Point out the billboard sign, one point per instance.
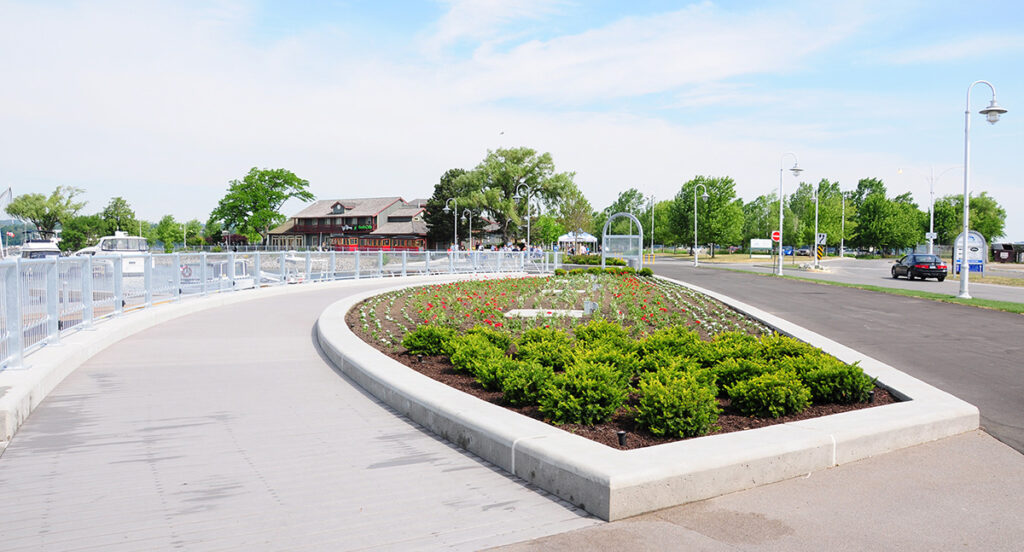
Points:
(977, 251)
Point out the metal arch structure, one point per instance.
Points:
(628, 252)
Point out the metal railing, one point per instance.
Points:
(43, 299)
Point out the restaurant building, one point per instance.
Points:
(369, 224)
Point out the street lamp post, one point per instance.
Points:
(931, 195)
(652, 228)
(469, 213)
(705, 198)
(796, 173)
(517, 196)
(991, 113)
(455, 220)
(842, 228)
(817, 264)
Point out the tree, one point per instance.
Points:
(760, 218)
(503, 174)
(441, 225)
(193, 233)
(82, 231)
(251, 206)
(47, 212)
(986, 217)
(546, 229)
(889, 224)
(213, 232)
(574, 211)
(118, 215)
(719, 218)
(168, 231)
(663, 232)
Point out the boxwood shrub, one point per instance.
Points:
(675, 404)
(500, 340)
(524, 382)
(586, 393)
(428, 339)
(774, 395)
(839, 385)
(473, 354)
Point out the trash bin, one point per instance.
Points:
(1002, 253)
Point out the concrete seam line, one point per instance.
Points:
(512, 464)
(834, 446)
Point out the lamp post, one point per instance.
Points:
(469, 213)
(816, 260)
(652, 228)
(991, 113)
(796, 173)
(517, 196)
(455, 220)
(931, 209)
(705, 198)
(842, 228)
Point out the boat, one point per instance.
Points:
(39, 249)
(131, 249)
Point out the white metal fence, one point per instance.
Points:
(42, 299)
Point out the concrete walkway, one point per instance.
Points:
(226, 430)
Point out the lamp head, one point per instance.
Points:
(517, 197)
(992, 112)
(463, 218)
(705, 196)
(796, 170)
(446, 210)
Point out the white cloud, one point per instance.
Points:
(960, 48)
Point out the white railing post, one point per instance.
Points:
(283, 268)
(426, 261)
(332, 265)
(88, 313)
(259, 272)
(12, 299)
(309, 267)
(118, 287)
(404, 260)
(202, 272)
(357, 264)
(177, 275)
(231, 269)
(52, 303)
(147, 278)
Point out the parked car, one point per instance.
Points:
(804, 251)
(920, 265)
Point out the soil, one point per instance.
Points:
(729, 420)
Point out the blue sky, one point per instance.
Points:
(163, 103)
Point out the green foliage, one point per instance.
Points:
(440, 225)
(731, 371)
(492, 374)
(675, 404)
(575, 271)
(428, 339)
(554, 354)
(599, 331)
(593, 260)
(475, 355)
(622, 359)
(536, 335)
(654, 361)
(806, 363)
(585, 394)
(719, 218)
(611, 270)
(47, 212)
(118, 215)
(775, 394)
(251, 205)
(501, 340)
(646, 272)
(523, 383)
(839, 384)
(594, 270)
(777, 346)
(676, 341)
(560, 272)
(81, 231)
(168, 231)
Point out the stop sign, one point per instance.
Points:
(776, 235)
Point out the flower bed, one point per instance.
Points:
(656, 360)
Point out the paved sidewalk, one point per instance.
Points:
(225, 430)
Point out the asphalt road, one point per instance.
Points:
(975, 354)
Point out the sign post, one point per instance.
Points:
(976, 252)
(819, 250)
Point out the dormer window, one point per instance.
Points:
(337, 209)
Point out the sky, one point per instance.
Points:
(164, 103)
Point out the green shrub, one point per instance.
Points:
(731, 371)
(623, 360)
(575, 271)
(473, 354)
(777, 346)
(585, 394)
(627, 270)
(775, 394)
(536, 335)
(599, 331)
(554, 354)
(806, 363)
(500, 340)
(560, 272)
(614, 271)
(656, 360)
(677, 341)
(645, 272)
(428, 340)
(492, 374)
(594, 270)
(839, 385)
(523, 383)
(676, 405)
(738, 345)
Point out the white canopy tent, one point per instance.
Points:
(577, 237)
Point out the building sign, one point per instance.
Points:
(976, 252)
(364, 227)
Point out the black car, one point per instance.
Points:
(920, 265)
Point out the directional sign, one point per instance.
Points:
(931, 235)
(776, 235)
(821, 238)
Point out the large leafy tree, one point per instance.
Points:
(169, 232)
(47, 212)
(118, 215)
(441, 225)
(889, 223)
(252, 205)
(629, 201)
(574, 210)
(82, 231)
(546, 229)
(760, 218)
(986, 217)
(507, 173)
(829, 211)
(719, 218)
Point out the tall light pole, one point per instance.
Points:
(816, 260)
(455, 219)
(842, 228)
(469, 213)
(517, 196)
(796, 173)
(991, 113)
(931, 208)
(705, 198)
(652, 228)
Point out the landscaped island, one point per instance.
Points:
(654, 359)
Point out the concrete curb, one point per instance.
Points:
(615, 484)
